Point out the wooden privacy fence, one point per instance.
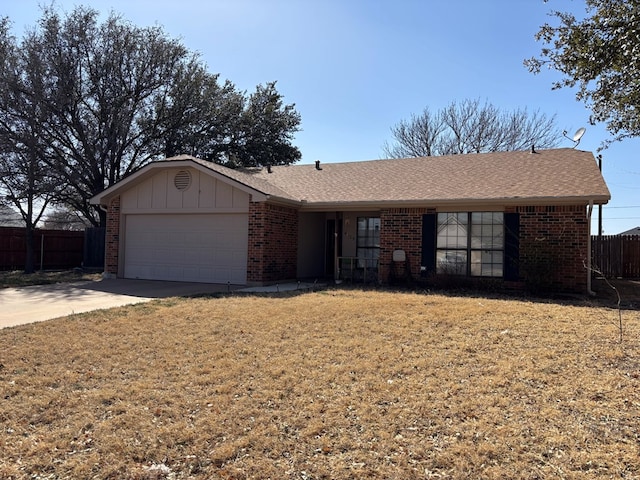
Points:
(616, 256)
(52, 249)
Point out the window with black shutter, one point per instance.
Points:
(477, 244)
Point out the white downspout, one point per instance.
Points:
(590, 211)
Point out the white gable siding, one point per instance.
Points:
(158, 194)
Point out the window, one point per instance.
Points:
(368, 242)
(470, 243)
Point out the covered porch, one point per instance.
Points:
(339, 246)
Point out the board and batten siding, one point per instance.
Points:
(205, 194)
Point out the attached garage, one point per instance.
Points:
(209, 248)
(181, 221)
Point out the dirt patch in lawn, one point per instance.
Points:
(336, 384)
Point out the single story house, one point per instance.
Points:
(517, 218)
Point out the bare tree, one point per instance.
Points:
(26, 182)
(61, 218)
(8, 216)
(111, 97)
(471, 127)
(421, 136)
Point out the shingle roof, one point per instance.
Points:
(547, 176)
(633, 231)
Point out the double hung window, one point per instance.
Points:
(470, 243)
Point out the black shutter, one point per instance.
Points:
(511, 246)
(428, 244)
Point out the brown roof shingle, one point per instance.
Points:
(547, 176)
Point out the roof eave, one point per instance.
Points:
(287, 202)
(461, 203)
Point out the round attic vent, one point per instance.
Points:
(182, 180)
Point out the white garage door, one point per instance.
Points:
(187, 248)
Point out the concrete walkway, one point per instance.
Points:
(24, 305)
(284, 287)
(43, 302)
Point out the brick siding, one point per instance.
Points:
(112, 239)
(553, 244)
(400, 229)
(554, 247)
(273, 243)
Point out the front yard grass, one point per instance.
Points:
(337, 384)
(17, 278)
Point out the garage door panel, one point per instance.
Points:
(162, 255)
(139, 271)
(193, 256)
(142, 254)
(196, 248)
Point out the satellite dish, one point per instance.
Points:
(576, 136)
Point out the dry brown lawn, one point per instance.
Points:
(336, 384)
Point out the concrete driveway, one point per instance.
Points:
(37, 303)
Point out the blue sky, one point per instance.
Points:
(354, 68)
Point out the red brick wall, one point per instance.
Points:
(553, 244)
(273, 243)
(554, 247)
(112, 239)
(400, 229)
